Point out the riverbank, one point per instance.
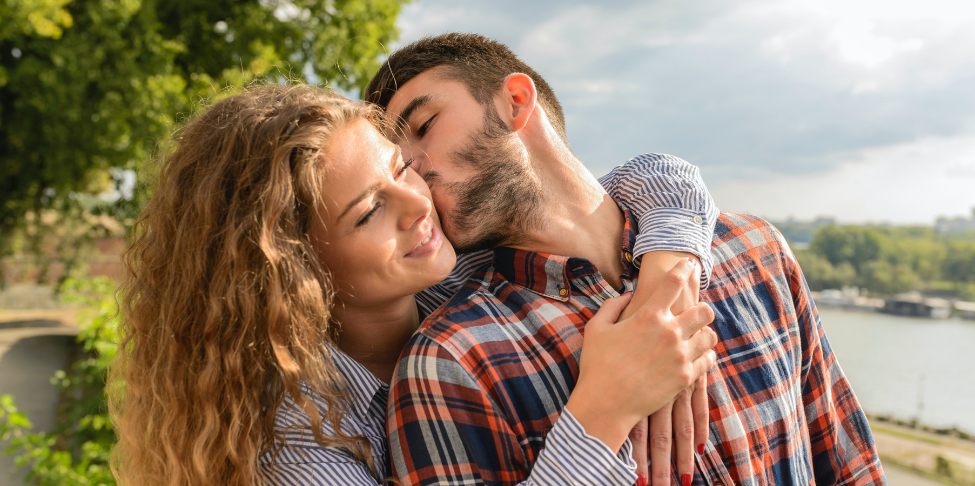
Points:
(947, 458)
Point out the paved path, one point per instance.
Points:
(924, 451)
(33, 345)
(902, 477)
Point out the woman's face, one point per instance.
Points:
(378, 233)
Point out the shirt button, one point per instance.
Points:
(698, 220)
(629, 256)
(563, 291)
(700, 248)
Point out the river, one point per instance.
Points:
(910, 368)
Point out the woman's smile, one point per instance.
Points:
(429, 245)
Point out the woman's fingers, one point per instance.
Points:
(661, 438)
(684, 437)
(699, 406)
(610, 311)
(638, 438)
(704, 363)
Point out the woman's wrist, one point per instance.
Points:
(603, 422)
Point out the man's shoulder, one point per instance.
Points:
(476, 305)
(736, 233)
(746, 247)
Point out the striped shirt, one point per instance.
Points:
(482, 384)
(675, 212)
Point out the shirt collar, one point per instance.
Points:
(366, 392)
(549, 275)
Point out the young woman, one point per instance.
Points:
(271, 287)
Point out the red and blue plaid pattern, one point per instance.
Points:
(486, 376)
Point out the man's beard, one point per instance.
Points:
(501, 204)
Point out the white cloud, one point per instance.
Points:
(858, 44)
(903, 183)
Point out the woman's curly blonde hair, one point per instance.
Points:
(225, 307)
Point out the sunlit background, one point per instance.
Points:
(861, 110)
(849, 124)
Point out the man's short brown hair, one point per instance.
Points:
(477, 61)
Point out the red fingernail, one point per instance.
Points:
(685, 479)
(641, 480)
(700, 449)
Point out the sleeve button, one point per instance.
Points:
(698, 220)
(629, 256)
(563, 291)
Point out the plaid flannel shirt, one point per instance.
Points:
(675, 212)
(486, 377)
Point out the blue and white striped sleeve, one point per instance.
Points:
(571, 456)
(668, 198)
(310, 473)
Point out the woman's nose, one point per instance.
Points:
(416, 207)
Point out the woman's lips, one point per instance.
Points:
(429, 245)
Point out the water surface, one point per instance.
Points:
(907, 367)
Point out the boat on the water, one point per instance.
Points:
(965, 310)
(915, 304)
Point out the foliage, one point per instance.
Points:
(888, 260)
(77, 452)
(88, 88)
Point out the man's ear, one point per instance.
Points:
(518, 96)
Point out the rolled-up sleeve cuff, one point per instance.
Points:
(571, 456)
(677, 229)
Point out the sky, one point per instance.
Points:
(860, 110)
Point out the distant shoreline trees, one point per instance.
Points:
(890, 260)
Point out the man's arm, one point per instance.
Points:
(842, 446)
(676, 217)
(672, 204)
(667, 197)
(443, 429)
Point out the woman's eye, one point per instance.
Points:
(366, 217)
(406, 165)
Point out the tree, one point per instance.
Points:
(89, 87)
(849, 244)
(821, 274)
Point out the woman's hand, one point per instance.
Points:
(631, 368)
(681, 427)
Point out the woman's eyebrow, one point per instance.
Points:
(373, 188)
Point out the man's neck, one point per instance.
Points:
(579, 219)
(375, 335)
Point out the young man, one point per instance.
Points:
(497, 363)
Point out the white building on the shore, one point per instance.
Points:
(955, 225)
